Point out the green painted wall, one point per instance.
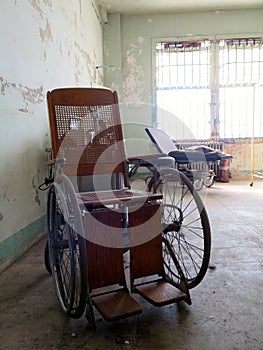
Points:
(11, 248)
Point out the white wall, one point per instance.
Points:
(44, 44)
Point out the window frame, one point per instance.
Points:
(214, 76)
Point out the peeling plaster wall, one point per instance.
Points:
(44, 44)
(133, 37)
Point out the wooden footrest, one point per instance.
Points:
(116, 305)
(160, 293)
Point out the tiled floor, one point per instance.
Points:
(226, 311)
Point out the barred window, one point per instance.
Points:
(241, 87)
(210, 88)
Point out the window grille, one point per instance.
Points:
(183, 88)
(210, 88)
(241, 87)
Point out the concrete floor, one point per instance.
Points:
(226, 311)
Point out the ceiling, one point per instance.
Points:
(130, 7)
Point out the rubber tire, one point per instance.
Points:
(47, 258)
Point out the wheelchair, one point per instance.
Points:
(110, 244)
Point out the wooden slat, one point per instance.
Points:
(105, 266)
(146, 241)
(116, 305)
(79, 97)
(160, 293)
(103, 233)
(146, 259)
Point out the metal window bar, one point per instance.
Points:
(241, 80)
(183, 87)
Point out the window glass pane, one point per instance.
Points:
(241, 107)
(179, 113)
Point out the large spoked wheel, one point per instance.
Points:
(67, 250)
(185, 226)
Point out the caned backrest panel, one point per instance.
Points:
(86, 130)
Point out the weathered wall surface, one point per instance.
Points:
(134, 36)
(244, 163)
(44, 44)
